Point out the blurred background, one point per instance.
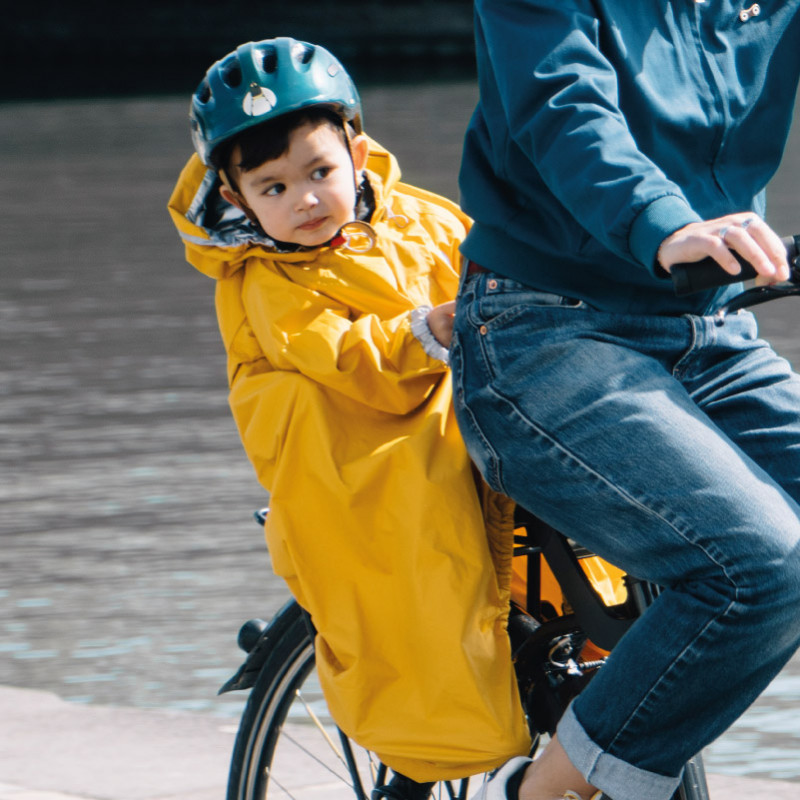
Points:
(130, 557)
(66, 49)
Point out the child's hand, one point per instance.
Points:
(440, 321)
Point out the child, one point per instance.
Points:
(332, 279)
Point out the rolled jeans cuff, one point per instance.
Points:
(614, 777)
(424, 335)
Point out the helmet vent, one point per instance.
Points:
(232, 73)
(270, 63)
(303, 53)
(204, 92)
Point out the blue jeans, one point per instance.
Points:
(671, 447)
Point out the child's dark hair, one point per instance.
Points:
(270, 139)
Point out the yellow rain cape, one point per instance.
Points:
(376, 523)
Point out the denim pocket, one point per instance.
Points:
(503, 300)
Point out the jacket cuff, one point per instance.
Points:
(423, 334)
(654, 223)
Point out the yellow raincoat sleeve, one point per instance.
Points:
(279, 334)
(377, 362)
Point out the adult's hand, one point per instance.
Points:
(744, 233)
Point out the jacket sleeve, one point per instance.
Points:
(378, 362)
(560, 97)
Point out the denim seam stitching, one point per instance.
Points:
(700, 634)
(681, 364)
(495, 460)
(647, 510)
(587, 468)
(459, 389)
(626, 495)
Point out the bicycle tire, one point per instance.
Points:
(287, 747)
(250, 758)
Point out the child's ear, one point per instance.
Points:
(231, 196)
(359, 147)
(235, 199)
(228, 193)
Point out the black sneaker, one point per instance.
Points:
(402, 788)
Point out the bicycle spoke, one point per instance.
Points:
(314, 757)
(315, 719)
(275, 782)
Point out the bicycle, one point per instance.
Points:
(556, 650)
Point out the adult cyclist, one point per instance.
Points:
(611, 142)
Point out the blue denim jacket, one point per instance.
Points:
(603, 126)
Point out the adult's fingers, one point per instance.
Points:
(758, 244)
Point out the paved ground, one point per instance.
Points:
(54, 750)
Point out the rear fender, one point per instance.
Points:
(256, 638)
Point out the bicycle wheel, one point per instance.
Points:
(287, 745)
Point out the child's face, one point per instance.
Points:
(308, 193)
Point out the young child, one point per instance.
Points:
(334, 295)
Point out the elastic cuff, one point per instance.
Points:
(654, 223)
(615, 777)
(424, 335)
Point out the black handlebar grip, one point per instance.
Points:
(708, 274)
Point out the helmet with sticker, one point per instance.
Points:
(262, 80)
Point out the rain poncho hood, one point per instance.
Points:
(377, 522)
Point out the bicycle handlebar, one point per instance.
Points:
(708, 274)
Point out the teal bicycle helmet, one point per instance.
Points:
(264, 80)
